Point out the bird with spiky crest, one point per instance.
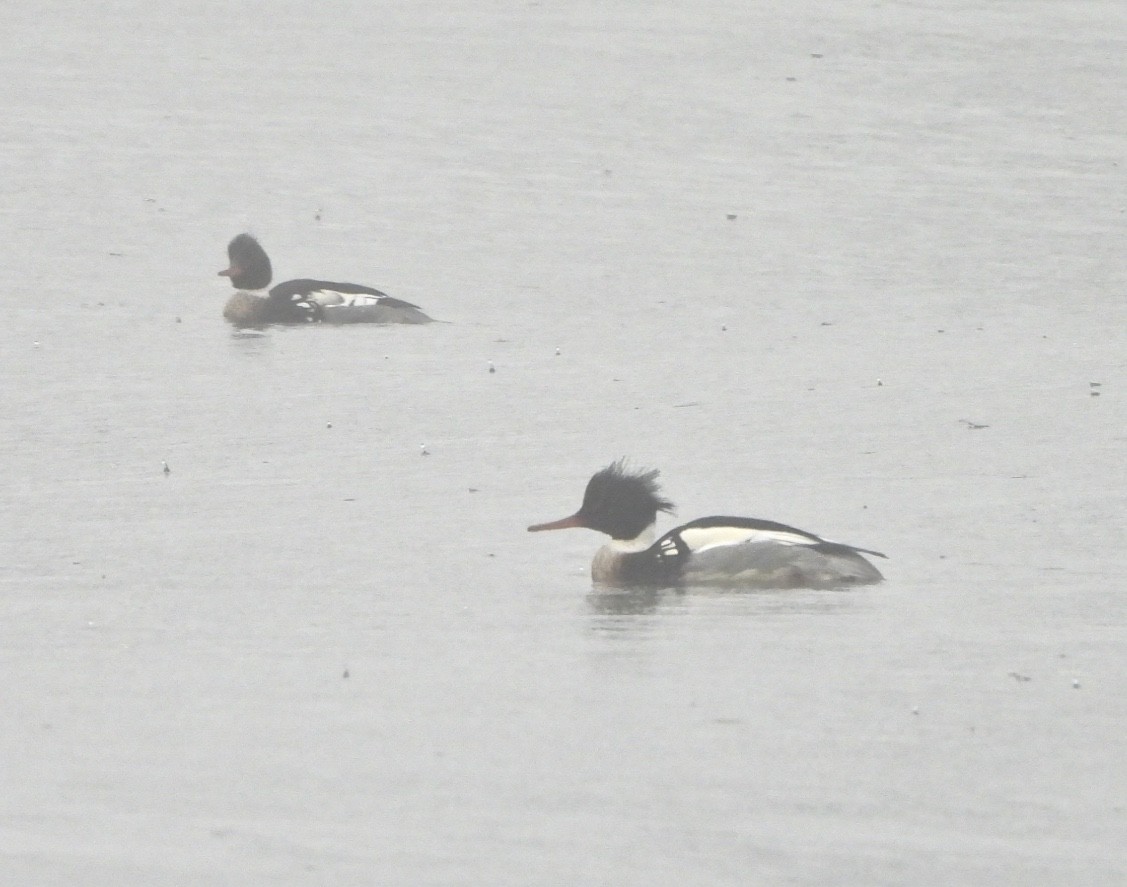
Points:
(746, 552)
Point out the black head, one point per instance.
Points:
(250, 266)
(618, 501)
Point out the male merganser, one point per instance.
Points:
(303, 301)
(733, 551)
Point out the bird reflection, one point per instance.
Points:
(635, 601)
(607, 600)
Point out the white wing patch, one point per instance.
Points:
(326, 298)
(703, 538)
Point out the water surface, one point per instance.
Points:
(858, 271)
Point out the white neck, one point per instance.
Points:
(639, 543)
(607, 567)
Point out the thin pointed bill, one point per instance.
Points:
(563, 524)
(230, 272)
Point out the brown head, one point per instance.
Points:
(250, 266)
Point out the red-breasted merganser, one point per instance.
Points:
(303, 301)
(732, 551)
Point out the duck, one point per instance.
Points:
(304, 300)
(714, 551)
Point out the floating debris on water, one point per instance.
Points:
(492, 368)
(973, 426)
(167, 471)
(423, 451)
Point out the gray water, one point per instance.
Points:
(856, 268)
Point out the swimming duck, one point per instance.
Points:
(732, 551)
(303, 301)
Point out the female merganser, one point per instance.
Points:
(303, 301)
(733, 551)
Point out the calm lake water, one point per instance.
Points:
(858, 270)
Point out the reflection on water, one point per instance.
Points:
(609, 601)
(806, 602)
(253, 335)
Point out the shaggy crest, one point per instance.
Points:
(622, 502)
(617, 480)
